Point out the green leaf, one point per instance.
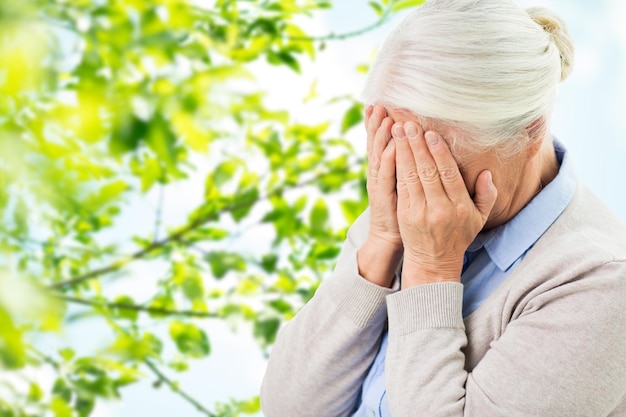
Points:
(248, 286)
(224, 172)
(84, 405)
(127, 134)
(35, 393)
(12, 348)
(148, 170)
(332, 181)
(283, 57)
(268, 262)
(265, 330)
(162, 140)
(162, 302)
(281, 306)
(190, 340)
(206, 233)
(405, 4)
(112, 190)
(193, 287)
(246, 196)
(62, 390)
(131, 348)
(352, 209)
(321, 251)
(156, 346)
(67, 354)
(319, 218)
(353, 116)
(60, 407)
(295, 32)
(222, 262)
(300, 203)
(125, 313)
(179, 365)
(377, 8)
(251, 406)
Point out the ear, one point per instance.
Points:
(536, 132)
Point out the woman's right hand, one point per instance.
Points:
(381, 252)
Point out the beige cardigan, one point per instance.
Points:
(550, 341)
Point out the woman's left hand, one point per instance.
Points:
(436, 215)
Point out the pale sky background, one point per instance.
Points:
(590, 120)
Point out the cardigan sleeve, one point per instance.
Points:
(565, 355)
(320, 358)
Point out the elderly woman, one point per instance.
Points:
(483, 280)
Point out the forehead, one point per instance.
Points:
(401, 116)
(451, 135)
(426, 123)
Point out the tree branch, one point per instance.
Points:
(48, 359)
(342, 36)
(136, 307)
(179, 235)
(176, 236)
(329, 37)
(176, 389)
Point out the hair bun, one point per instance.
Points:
(553, 25)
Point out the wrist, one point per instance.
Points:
(416, 273)
(378, 260)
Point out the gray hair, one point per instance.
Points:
(486, 67)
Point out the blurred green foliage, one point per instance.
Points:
(105, 101)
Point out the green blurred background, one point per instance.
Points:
(177, 177)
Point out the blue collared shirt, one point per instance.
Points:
(488, 261)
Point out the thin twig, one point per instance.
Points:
(159, 213)
(176, 389)
(342, 36)
(176, 236)
(136, 307)
(48, 359)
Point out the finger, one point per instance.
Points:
(426, 166)
(447, 167)
(387, 172)
(486, 195)
(381, 138)
(408, 181)
(378, 114)
(368, 113)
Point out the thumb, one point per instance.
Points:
(485, 195)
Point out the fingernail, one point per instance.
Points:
(398, 131)
(410, 129)
(490, 178)
(432, 138)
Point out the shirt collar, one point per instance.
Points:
(508, 242)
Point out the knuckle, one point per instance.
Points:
(448, 174)
(372, 127)
(462, 211)
(428, 172)
(411, 176)
(439, 217)
(374, 163)
(403, 190)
